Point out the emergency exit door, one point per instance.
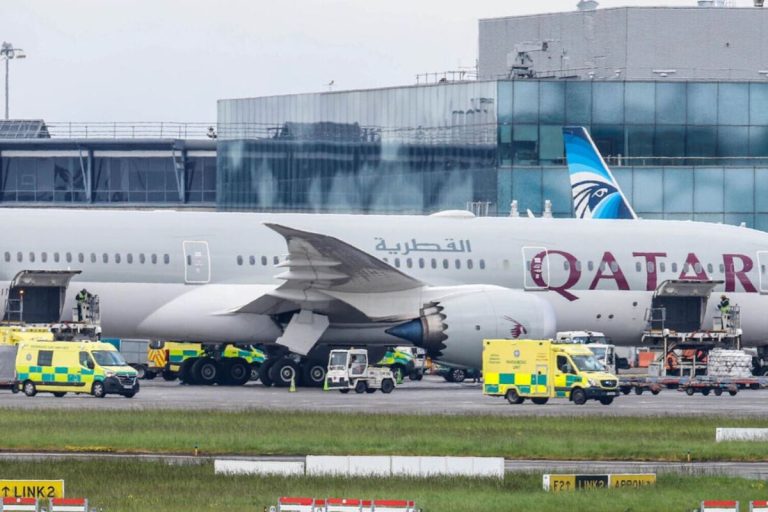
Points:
(762, 266)
(197, 263)
(536, 268)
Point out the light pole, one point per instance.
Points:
(8, 52)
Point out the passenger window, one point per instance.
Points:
(32, 257)
(44, 257)
(590, 266)
(651, 267)
(470, 264)
(482, 264)
(602, 266)
(614, 267)
(674, 267)
(142, 258)
(409, 263)
(86, 361)
(578, 265)
(434, 263)
(19, 257)
(566, 265)
(663, 266)
(93, 257)
(445, 264)
(105, 258)
(117, 257)
(686, 267)
(562, 364)
(638, 267)
(697, 268)
(239, 260)
(264, 260)
(458, 264)
(56, 257)
(166, 258)
(69, 257)
(7, 257)
(153, 259)
(421, 262)
(275, 260)
(189, 260)
(397, 262)
(129, 258)
(505, 264)
(722, 268)
(711, 270)
(45, 358)
(251, 260)
(528, 265)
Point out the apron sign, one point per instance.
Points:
(32, 489)
(557, 483)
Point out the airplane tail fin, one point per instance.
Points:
(596, 193)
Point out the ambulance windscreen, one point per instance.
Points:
(108, 358)
(588, 364)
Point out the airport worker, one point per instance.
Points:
(82, 298)
(725, 309)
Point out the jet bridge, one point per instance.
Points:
(37, 296)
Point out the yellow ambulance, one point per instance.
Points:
(541, 369)
(62, 367)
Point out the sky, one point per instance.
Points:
(170, 60)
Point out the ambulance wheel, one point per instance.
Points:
(29, 388)
(283, 372)
(129, 394)
(98, 390)
(387, 386)
(578, 396)
(689, 391)
(540, 400)
(264, 372)
(255, 371)
(718, 391)
(169, 375)
(606, 400)
(513, 398)
(360, 387)
(186, 375)
(59, 394)
(236, 372)
(458, 375)
(206, 371)
(313, 374)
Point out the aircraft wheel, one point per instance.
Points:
(313, 374)
(255, 371)
(169, 375)
(186, 375)
(206, 371)
(235, 372)
(283, 372)
(264, 372)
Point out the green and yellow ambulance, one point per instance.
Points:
(541, 369)
(62, 367)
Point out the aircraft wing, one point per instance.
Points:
(322, 269)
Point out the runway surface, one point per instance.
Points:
(431, 396)
(753, 470)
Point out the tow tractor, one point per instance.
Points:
(349, 369)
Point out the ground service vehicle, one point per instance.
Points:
(349, 369)
(62, 367)
(542, 369)
(456, 374)
(404, 361)
(191, 363)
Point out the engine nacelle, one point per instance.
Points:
(452, 327)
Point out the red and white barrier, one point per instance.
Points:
(69, 505)
(758, 506)
(719, 506)
(296, 504)
(19, 505)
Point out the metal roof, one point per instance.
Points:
(23, 129)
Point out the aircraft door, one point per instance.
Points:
(536, 268)
(762, 265)
(197, 262)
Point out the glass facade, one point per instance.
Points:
(65, 177)
(680, 150)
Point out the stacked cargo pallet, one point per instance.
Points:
(729, 363)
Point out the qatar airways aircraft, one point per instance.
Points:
(443, 282)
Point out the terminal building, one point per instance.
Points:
(675, 98)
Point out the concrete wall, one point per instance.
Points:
(699, 43)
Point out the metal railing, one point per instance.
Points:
(131, 130)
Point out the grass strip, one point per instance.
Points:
(128, 486)
(301, 433)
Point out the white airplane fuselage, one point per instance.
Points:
(179, 275)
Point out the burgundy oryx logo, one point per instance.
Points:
(517, 329)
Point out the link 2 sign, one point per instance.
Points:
(559, 483)
(32, 489)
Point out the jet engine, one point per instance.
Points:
(452, 327)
